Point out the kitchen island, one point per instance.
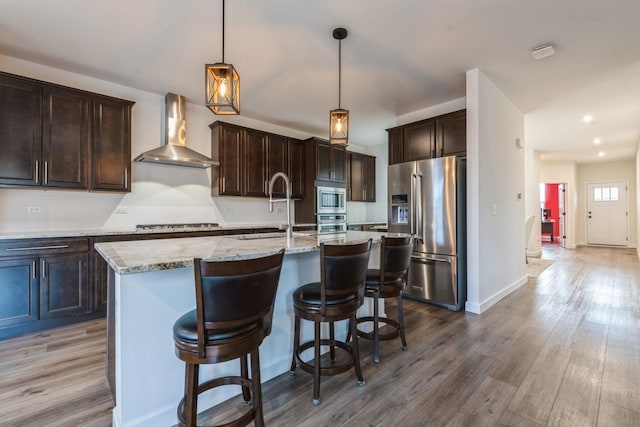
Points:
(151, 285)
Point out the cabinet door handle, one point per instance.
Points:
(37, 172)
(46, 172)
(33, 269)
(365, 194)
(223, 186)
(43, 270)
(126, 178)
(266, 190)
(37, 248)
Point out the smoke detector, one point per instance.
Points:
(542, 51)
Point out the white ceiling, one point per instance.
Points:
(400, 56)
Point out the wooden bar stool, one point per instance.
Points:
(338, 295)
(388, 282)
(234, 309)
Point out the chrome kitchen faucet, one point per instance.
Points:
(287, 184)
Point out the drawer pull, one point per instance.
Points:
(37, 248)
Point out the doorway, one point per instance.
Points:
(607, 222)
(553, 216)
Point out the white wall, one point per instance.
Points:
(625, 171)
(558, 172)
(638, 200)
(532, 199)
(495, 176)
(160, 193)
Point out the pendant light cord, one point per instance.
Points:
(339, 72)
(223, 31)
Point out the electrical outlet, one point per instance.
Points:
(34, 209)
(279, 210)
(122, 210)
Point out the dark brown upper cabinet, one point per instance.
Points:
(451, 134)
(277, 161)
(249, 158)
(50, 138)
(65, 138)
(20, 131)
(226, 147)
(255, 163)
(296, 168)
(330, 161)
(396, 145)
(361, 171)
(440, 136)
(111, 161)
(419, 140)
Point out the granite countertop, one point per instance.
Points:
(114, 232)
(152, 255)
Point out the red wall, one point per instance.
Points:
(551, 202)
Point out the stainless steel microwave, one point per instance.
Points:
(331, 200)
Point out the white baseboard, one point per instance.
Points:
(474, 307)
(535, 254)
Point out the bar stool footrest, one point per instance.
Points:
(383, 337)
(217, 382)
(325, 370)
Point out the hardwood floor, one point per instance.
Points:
(55, 378)
(563, 350)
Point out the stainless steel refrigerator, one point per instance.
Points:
(427, 199)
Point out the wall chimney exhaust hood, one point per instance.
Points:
(174, 151)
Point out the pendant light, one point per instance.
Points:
(222, 84)
(339, 118)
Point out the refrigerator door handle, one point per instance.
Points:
(414, 179)
(417, 227)
(431, 257)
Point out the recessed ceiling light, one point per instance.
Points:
(600, 153)
(597, 141)
(543, 51)
(587, 118)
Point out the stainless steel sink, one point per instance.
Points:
(266, 236)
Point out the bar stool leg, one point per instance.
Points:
(376, 327)
(332, 339)
(405, 347)
(353, 325)
(244, 372)
(316, 364)
(257, 387)
(296, 345)
(191, 394)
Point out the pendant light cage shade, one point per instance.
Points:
(222, 88)
(339, 126)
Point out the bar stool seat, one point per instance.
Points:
(234, 310)
(336, 297)
(388, 282)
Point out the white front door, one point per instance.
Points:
(607, 214)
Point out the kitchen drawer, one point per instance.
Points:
(42, 247)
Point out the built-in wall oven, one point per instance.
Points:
(332, 222)
(331, 209)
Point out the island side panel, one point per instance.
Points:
(149, 378)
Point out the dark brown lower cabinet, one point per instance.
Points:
(44, 283)
(64, 285)
(51, 282)
(19, 291)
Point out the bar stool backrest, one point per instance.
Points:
(395, 258)
(231, 294)
(343, 268)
